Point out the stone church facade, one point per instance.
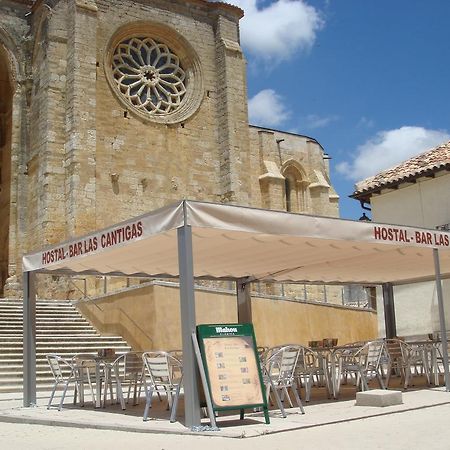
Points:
(112, 108)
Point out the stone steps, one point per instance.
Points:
(60, 329)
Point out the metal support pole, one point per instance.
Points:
(440, 298)
(244, 301)
(187, 307)
(389, 311)
(29, 339)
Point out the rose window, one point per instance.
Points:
(149, 75)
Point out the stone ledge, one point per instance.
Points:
(379, 397)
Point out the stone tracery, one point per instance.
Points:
(149, 75)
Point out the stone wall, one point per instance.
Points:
(82, 158)
(277, 156)
(14, 94)
(149, 318)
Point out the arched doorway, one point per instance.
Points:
(6, 97)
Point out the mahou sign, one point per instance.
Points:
(408, 235)
(104, 240)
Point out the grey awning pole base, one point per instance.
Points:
(188, 323)
(440, 298)
(29, 339)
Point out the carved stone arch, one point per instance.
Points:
(292, 163)
(13, 88)
(296, 183)
(14, 55)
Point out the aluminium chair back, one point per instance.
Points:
(162, 368)
(61, 368)
(373, 353)
(133, 364)
(396, 350)
(281, 365)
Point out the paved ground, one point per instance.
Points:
(424, 428)
(422, 421)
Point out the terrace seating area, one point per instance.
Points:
(293, 375)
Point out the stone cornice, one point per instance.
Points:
(237, 12)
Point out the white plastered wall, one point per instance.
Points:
(425, 204)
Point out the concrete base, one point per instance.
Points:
(379, 397)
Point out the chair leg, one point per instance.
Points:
(173, 413)
(141, 382)
(75, 393)
(111, 393)
(388, 374)
(268, 392)
(119, 388)
(285, 391)
(88, 372)
(308, 387)
(297, 398)
(107, 383)
(66, 385)
(81, 390)
(380, 380)
(426, 369)
(363, 380)
(129, 392)
(148, 401)
(279, 402)
(135, 393)
(407, 376)
(277, 397)
(52, 395)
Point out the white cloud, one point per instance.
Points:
(315, 121)
(277, 31)
(267, 109)
(388, 148)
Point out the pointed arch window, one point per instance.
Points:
(295, 184)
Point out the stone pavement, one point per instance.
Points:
(318, 414)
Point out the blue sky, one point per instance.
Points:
(369, 79)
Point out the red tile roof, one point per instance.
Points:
(425, 164)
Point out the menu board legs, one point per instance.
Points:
(201, 369)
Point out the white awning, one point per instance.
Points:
(232, 242)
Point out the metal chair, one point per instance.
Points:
(64, 373)
(280, 375)
(438, 363)
(363, 363)
(311, 369)
(126, 369)
(402, 357)
(163, 373)
(86, 364)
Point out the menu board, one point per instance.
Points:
(231, 365)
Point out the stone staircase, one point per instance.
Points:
(60, 329)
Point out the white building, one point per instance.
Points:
(417, 193)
